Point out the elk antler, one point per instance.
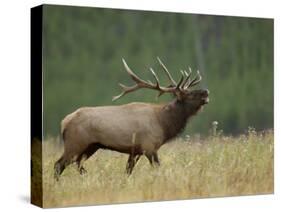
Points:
(167, 72)
(194, 82)
(180, 87)
(186, 83)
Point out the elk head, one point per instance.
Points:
(194, 99)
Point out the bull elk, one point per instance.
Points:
(136, 128)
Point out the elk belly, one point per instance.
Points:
(128, 130)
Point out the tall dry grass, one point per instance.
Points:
(194, 168)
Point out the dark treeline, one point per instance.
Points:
(83, 48)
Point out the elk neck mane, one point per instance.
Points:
(174, 116)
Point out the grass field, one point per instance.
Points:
(190, 168)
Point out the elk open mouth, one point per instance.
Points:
(205, 96)
(205, 100)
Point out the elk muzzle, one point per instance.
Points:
(205, 96)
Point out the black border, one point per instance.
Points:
(36, 105)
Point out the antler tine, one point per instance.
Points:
(157, 82)
(186, 79)
(187, 82)
(126, 89)
(181, 80)
(131, 73)
(196, 80)
(167, 72)
(155, 77)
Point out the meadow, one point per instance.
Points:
(82, 53)
(192, 167)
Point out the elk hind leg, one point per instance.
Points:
(88, 152)
(60, 165)
(80, 161)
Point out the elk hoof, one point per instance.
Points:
(56, 177)
(82, 171)
(57, 171)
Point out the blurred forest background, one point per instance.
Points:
(83, 47)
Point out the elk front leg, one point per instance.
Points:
(153, 159)
(156, 159)
(133, 158)
(132, 161)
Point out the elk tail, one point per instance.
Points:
(63, 135)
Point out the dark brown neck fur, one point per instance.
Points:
(174, 116)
